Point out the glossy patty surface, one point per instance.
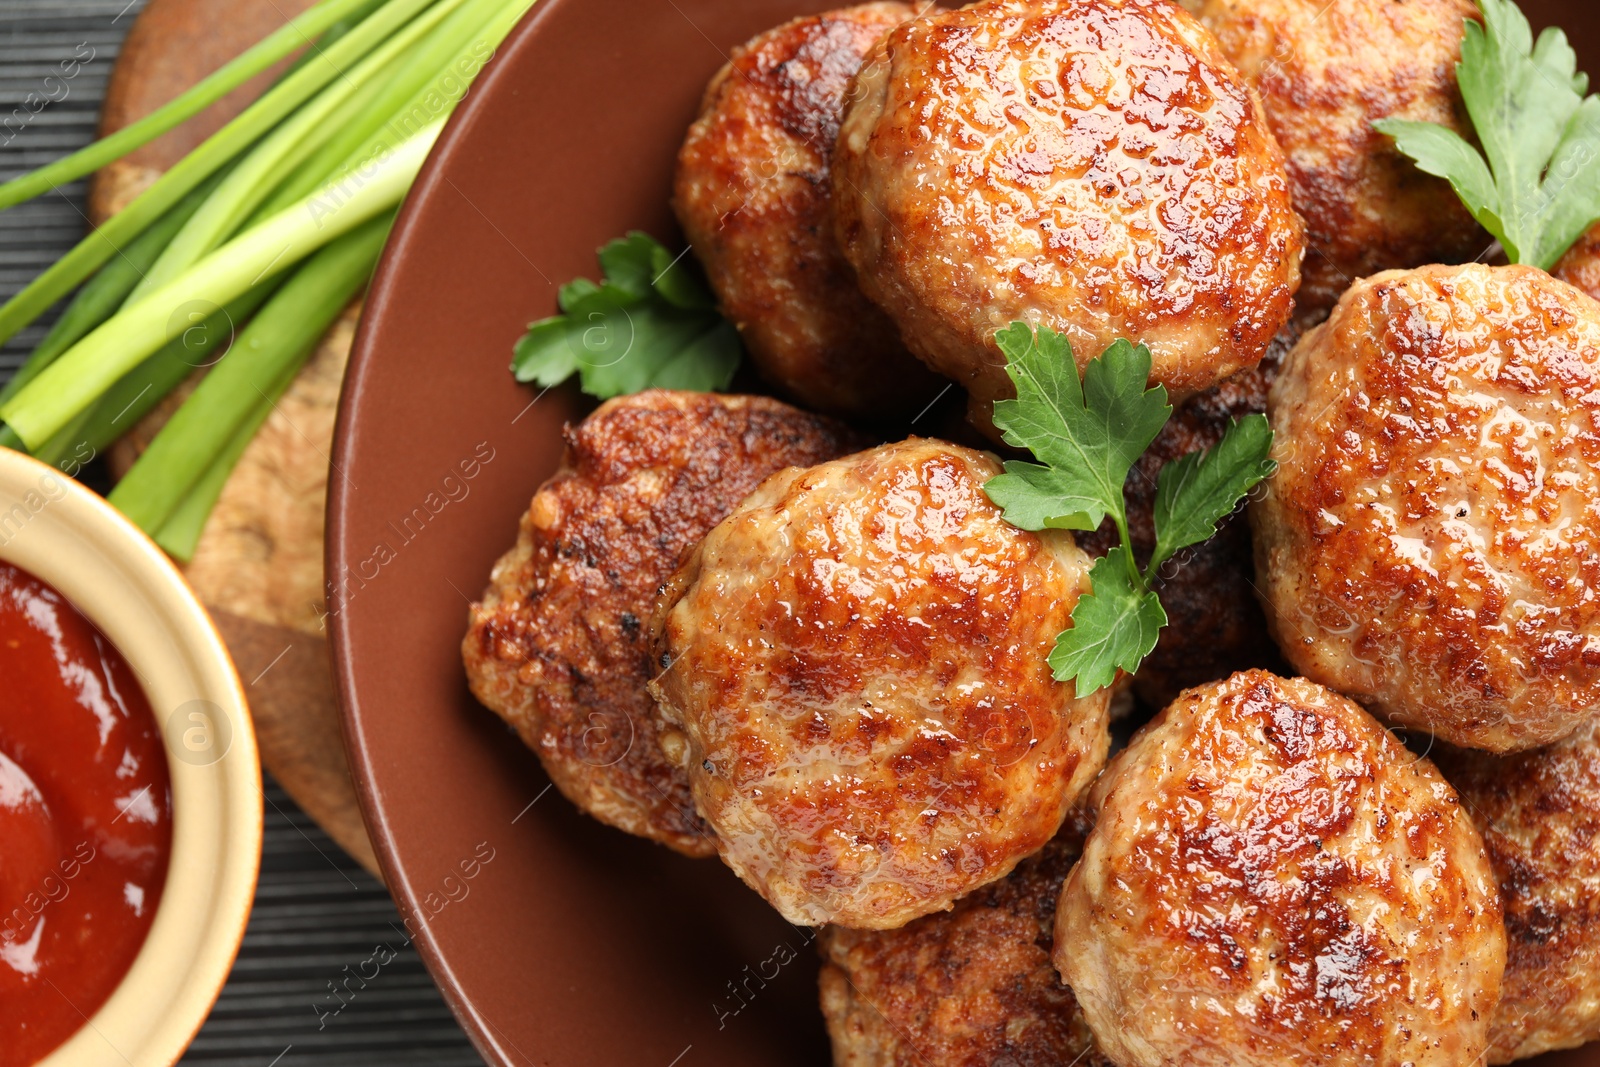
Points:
(752, 196)
(972, 987)
(1539, 813)
(1581, 264)
(1428, 543)
(1096, 166)
(856, 682)
(1274, 880)
(559, 646)
(1326, 69)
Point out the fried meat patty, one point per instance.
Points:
(752, 196)
(1274, 880)
(855, 680)
(971, 987)
(1326, 70)
(1427, 544)
(1539, 813)
(1095, 166)
(559, 646)
(1580, 265)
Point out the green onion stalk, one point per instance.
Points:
(290, 38)
(425, 86)
(255, 121)
(205, 437)
(138, 392)
(106, 291)
(116, 346)
(243, 254)
(128, 274)
(278, 154)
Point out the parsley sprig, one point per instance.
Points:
(1087, 434)
(1536, 183)
(650, 323)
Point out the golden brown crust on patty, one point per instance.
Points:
(1273, 879)
(972, 987)
(1326, 69)
(1581, 264)
(1539, 813)
(856, 681)
(559, 646)
(1427, 545)
(1096, 166)
(752, 196)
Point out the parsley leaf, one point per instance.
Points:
(626, 263)
(1115, 626)
(1087, 434)
(543, 356)
(1535, 185)
(650, 324)
(1195, 492)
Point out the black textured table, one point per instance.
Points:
(326, 976)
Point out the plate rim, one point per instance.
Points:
(431, 180)
(498, 78)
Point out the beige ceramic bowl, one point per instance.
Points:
(67, 536)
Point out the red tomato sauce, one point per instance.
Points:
(85, 818)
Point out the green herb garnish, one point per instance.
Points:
(1536, 183)
(650, 324)
(1087, 435)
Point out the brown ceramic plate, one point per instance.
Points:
(558, 941)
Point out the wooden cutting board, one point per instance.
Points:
(259, 564)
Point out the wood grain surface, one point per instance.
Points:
(259, 564)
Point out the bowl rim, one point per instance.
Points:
(431, 181)
(453, 148)
(69, 537)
